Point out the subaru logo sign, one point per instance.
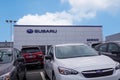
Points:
(29, 31)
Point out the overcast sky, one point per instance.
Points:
(60, 12)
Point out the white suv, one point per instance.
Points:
(79, 62)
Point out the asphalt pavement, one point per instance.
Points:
(35, 73)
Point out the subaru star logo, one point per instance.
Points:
(29, 31)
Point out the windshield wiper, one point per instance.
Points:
(89, 55)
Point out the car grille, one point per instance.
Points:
(98, 73)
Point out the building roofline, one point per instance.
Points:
(113, 34)
(57, 26)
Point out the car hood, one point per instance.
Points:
(4, 68)
(87, 63)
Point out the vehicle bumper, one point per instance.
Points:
(34, 63)
(115, 76)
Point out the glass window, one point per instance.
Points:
(17, 53)
(51, 51)
(113, 48)
(30, 50)
(72, 51)
(103, 48)
(5, 56)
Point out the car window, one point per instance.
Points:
(103, 48)
(50, 51)
(30, 50)
(17, 53)
(5, 56)
(113, 47)
(72, 51)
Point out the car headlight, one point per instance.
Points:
(117, 66)
(5, 77)
(66, 71)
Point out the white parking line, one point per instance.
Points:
(42, 75)
(32, 73)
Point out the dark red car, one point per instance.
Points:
(33, 55)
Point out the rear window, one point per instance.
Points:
(30, 50)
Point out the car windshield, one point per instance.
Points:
(30, 50)
(5, 56)
(72, 51)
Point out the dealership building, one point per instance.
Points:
(113, 37)
(46, 35)
(6, 44)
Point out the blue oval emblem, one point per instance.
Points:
(29, 31)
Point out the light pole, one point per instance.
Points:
(11, 22)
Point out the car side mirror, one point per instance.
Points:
(20, 59)
(48, 57)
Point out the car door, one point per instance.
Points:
(20, 65)
(49, 62)
(114, 50)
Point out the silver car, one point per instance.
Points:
(12, 65)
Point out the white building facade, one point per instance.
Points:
(27, 35)
(114, 37)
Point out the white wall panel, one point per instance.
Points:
(65, 34)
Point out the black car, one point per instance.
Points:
(12, 65)
(111, 49)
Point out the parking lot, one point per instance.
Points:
(34, 73)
